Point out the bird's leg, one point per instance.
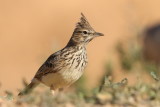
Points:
(52, 89)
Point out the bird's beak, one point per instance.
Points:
(98, 34)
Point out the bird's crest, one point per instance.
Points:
(83, 23)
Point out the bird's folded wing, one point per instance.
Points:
(52, 65)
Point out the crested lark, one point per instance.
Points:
(66, 66)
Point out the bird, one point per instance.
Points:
(67, 65)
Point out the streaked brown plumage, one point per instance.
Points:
(66, 66)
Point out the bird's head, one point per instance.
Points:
(83, 33)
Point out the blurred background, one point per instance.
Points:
(32, 30)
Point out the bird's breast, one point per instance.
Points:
(75, 69)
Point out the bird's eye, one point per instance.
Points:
(85, 32)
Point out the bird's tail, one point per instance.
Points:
(28, 88)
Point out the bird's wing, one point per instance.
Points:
(52, 65)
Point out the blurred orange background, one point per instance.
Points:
(31, 30)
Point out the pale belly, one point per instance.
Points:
(61, 79)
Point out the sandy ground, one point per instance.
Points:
(32, 30)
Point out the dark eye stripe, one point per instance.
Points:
(78, 31)
(84, 32)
